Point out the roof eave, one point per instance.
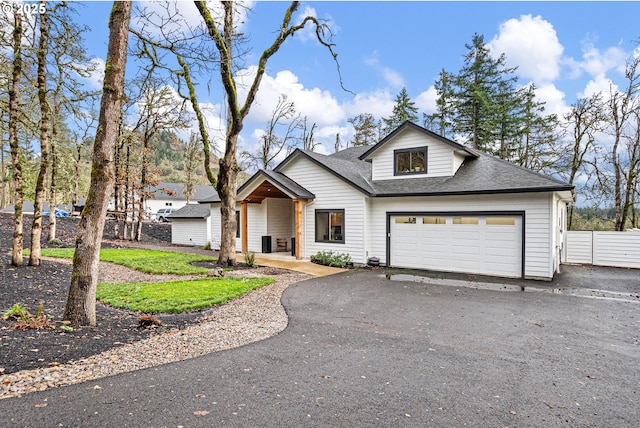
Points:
(273, 180)
(478, 192)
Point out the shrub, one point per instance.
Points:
(17, 312)
(55, 241)
(207, 246)
(26, 321)
(331, 258)
(250, 259)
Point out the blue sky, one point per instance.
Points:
(568, 49)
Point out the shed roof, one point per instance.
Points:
(194, 211)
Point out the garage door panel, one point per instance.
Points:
(479, 247)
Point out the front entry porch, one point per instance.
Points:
(271, 216)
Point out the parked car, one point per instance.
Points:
(58, 212)
(162, 214)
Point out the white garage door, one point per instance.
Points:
(484, 244)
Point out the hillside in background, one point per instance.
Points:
(170, 159)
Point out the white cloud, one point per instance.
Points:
(393, 78)
(426, 101)
(317, 105)
(531, 44)
(379, 103)
(553, 98)
(96, 76)
(596, 62)
(599, 83)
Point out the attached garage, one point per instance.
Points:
(480, 243)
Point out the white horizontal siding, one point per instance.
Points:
(579, 247)
(538, 261)
(331, 193)
(190, 231)
(440, 159)
(216, 228)
(280, 221)
(256, 227)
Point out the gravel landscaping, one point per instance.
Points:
(38, 359)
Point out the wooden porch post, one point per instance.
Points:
(298, 222)
(243, 227)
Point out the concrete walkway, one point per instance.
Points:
(278, 260)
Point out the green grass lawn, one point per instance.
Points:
(177, 296)
(165, 296)
(147, 261)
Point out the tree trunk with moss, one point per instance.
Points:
(36, 225)
(14, 105)
(81, 301)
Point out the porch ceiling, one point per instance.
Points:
(265, 190)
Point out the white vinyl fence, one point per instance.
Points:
(617, 249)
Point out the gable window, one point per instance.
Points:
(410, 161)
(330, 226)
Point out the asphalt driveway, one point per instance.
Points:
(361, 351)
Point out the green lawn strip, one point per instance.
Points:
(147, 261)
(176, 296)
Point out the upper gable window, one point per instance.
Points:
(410, 161)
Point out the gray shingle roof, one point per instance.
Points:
(192, 211)
(287, 184)
(485, 174)
(480, 173)
(211, 199)
(351, 153)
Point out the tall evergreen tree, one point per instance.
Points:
(537, 135)
(404, 110)
(442, 120)
(482, 101)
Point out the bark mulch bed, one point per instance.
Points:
(49, 283)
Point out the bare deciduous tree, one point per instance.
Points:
(621, 174)
(223, 35)
(278, 135)
(583, 122)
